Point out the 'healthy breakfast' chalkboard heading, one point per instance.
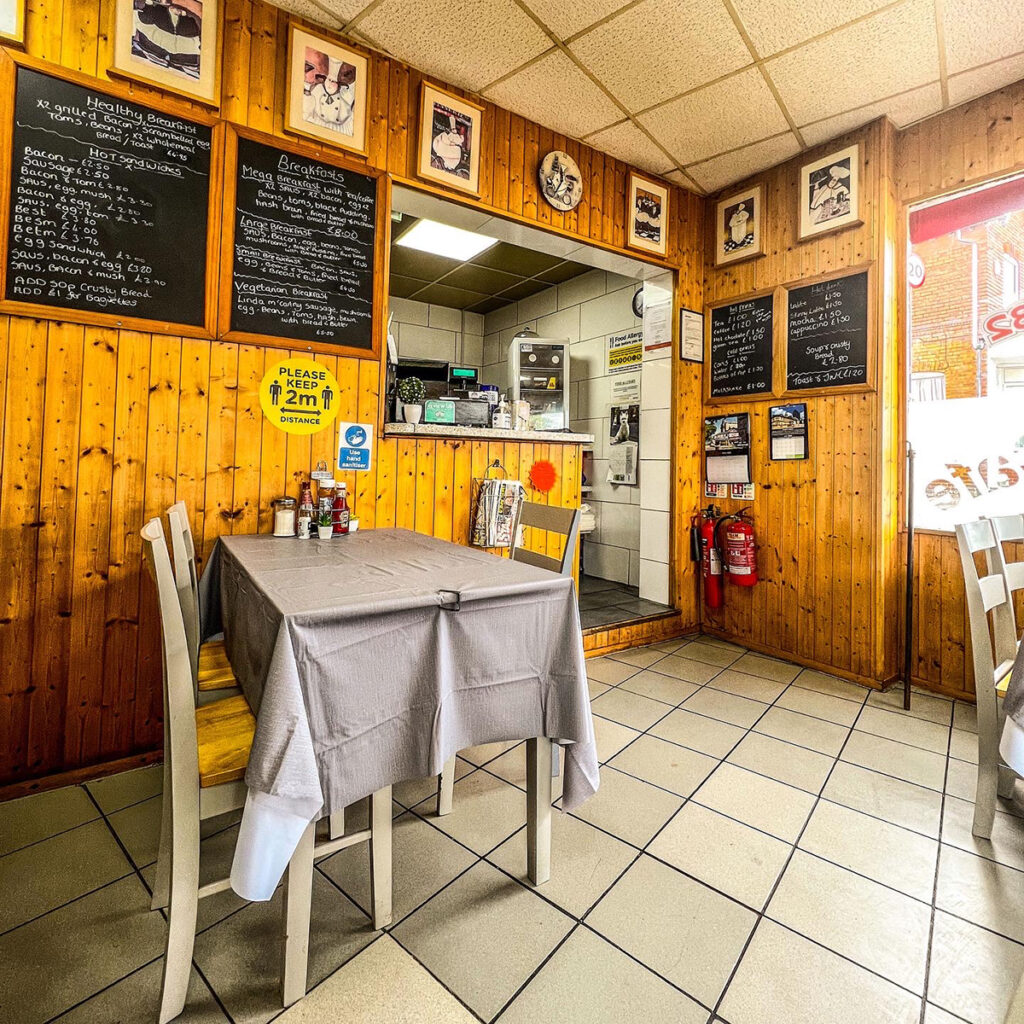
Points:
(741, 347)
(303, 248)
(98, 187)
(827, 334)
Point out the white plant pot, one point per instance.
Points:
(412, 413)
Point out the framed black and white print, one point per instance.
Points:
(328, 85)
(450, 139)
(830, 193)
(12, 21)
(647, 216)
(739, 225)
(175, 46)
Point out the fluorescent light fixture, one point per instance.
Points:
(444, 240)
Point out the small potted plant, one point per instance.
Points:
(411, 393)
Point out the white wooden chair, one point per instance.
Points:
(207, 751)
(993, 647)
(564, 521)
(211, 669)
(1009, 529)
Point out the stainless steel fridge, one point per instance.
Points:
(539, 374)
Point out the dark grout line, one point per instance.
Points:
(440, 981)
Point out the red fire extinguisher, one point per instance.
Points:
(740, 549)
(703, 528)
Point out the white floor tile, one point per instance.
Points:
(733, 858)
(892, 855)
(855, 917)
(787, 979)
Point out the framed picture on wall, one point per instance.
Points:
(328, 86)
(830, 193)
(173, 45)
(739, 223)
(450, 139)
(647, 215)
(12, 21)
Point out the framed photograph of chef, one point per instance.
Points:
(328, 85)
(647, 215)
(12, 21)
(450, 134)
(173, 44)
(739, 224)
(830, 193)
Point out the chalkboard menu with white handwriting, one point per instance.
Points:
(304, 241)
(827, 334)
(741, 347)
(108, 204)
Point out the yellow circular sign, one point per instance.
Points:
(299, 396)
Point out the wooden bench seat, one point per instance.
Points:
(224, 730)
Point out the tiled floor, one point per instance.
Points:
(605, 602)
(769, 846)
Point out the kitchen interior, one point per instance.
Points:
(511, 327)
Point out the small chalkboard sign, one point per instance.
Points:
(741, 347)
(304, 236)
(108, 205)
(827, 333)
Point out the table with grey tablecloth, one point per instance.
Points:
(373, 658)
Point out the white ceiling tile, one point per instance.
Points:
(567, 17)
(555, 93)
(889, 53)
(903, 110)
(468, 42)
(774, 25)
(979, 31)
(333, 13)
(724, 170)
(969, 84)
(722, 116)
(626, 142)
(680, 179)
(660, 48)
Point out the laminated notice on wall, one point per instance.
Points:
(624, 444)
(625, 351)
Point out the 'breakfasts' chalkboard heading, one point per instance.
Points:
(827, 334)
(303, 251)
(98, 187)
(741, 347)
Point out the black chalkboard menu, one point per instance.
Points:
(741, 347)
(827, 334)
(303, 249)
(108, 204)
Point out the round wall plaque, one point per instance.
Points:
(560, 180)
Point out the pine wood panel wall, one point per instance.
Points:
(827, 558)
(973, 143)
(103, 429)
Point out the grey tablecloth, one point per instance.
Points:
(373, 658)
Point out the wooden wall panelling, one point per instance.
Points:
(829, 572)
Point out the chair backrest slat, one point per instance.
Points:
(179, 687)
(1008, 530)
(186, 580)
(564, 521)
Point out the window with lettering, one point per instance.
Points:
(966, 394)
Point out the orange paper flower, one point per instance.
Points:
(543, 476)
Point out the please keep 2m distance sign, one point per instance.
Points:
(300, 396)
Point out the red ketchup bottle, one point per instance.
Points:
(340, 511)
